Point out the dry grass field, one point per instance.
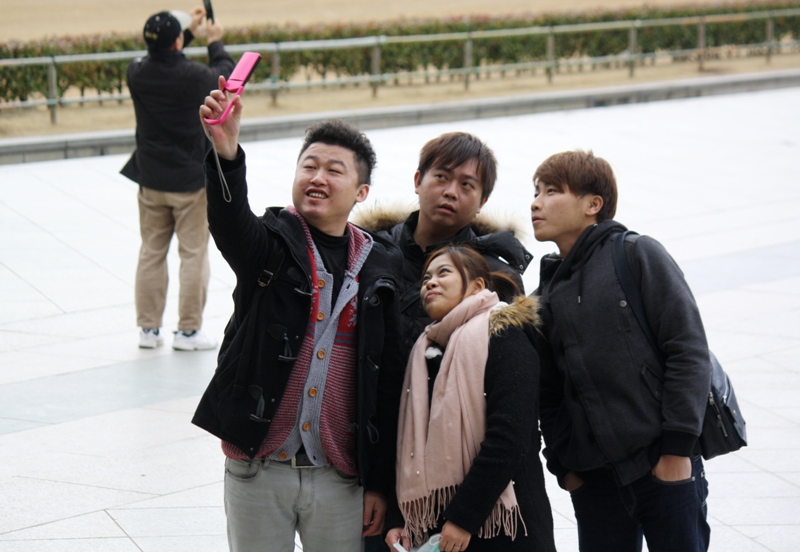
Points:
(29, 19)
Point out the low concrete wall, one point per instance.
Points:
(22, 150)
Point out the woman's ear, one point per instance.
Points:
(475, 286)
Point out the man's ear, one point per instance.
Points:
(362, 192)
(594, 206)
(177, 46)
(417, 182)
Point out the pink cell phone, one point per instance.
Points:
(235, 83)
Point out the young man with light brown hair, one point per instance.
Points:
(620, 428)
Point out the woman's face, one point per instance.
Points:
(442, 287)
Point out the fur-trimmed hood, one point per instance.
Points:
(523, 311)
(493, 238)
(380, 218)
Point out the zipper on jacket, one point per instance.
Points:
(715, 406)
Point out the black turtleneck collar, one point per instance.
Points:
(410, 226)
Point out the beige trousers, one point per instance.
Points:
(162, 214)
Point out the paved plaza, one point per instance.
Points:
(97, 452)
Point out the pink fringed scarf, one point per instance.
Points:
(436, 448)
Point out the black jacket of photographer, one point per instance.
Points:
(281, 315)
(167, 90)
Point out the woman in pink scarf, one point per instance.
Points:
(468, 440)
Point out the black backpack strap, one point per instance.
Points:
(272, 266)
(632, 292)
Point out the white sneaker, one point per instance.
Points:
(193, 341)
(150, 338)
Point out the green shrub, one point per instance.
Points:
(20, 83)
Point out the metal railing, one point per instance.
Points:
(550, 64)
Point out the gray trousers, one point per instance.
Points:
(266, 502)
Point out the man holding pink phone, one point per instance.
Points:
(306, 394)
(166, 88)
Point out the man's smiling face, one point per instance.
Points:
(326, 187)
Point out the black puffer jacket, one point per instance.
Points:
(167, 90)
(498, 245)
(608, 408)
(253, 371)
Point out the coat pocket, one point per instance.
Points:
(652, 382)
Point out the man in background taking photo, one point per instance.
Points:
(166, 89)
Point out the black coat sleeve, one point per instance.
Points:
(675, 320)
(390, 382)
(220, 62)
(237, 231)
(551, 396)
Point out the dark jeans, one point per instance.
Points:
(670, 515)
(375, 544)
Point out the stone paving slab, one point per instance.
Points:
(97, 452)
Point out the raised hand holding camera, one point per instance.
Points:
(223, 133)
(235, 83)
(218, 105)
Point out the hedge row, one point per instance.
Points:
(19, 83)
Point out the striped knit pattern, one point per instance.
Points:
(338, 403)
